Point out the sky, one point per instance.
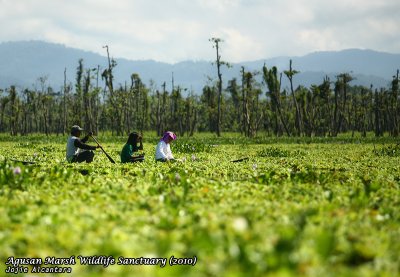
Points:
(178, 30)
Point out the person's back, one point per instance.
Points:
(71, 148)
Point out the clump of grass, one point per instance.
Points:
(191, 147)
(390, 151)
(276, 152)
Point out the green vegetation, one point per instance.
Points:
(295, 207)
(254, 103)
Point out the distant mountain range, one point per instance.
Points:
(23, 62)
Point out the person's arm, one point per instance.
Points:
(84, 140)
(78, 143)
(140, 143)
(136, 148)
(168, 152)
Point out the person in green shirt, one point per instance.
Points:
(131, 146)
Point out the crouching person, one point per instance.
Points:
(163, 149)
(128, 151)
(77, 149)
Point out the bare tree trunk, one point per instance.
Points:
(216, 42)
(244, 111)
(219, 88)
(65, 120)
(290, 75)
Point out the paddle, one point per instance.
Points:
(240, 160)
(23, 162)
(101, 147)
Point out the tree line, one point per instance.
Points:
(246, 105)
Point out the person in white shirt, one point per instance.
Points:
(163, 149)
(77, 149)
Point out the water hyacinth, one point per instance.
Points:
(240, 224)
(177, 177)
(17, 170)
(295, 215)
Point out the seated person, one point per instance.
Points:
(163, 149)
(131, 146)
(77, 150)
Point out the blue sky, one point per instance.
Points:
(177, 30)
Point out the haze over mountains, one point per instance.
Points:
(23, 62)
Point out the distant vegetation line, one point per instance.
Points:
(249, 104)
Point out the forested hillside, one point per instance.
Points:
(26, 61)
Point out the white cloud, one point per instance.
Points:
(235, 44)
(179, 29)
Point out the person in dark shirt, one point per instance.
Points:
(77, 149)
(131, 146)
